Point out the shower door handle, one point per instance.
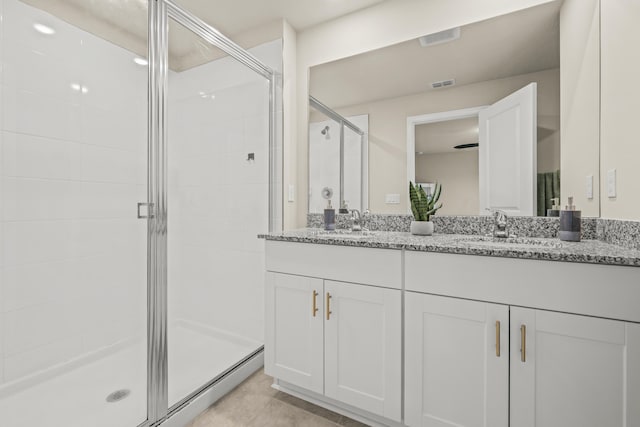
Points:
(145, 213)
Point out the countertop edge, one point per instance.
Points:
(545, 254)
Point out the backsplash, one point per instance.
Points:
(519, 225)
(373, 221)
(619, 232)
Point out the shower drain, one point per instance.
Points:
(118, 395)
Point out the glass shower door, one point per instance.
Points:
(73, 258)
(218, 201)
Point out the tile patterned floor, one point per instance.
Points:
(254, 403)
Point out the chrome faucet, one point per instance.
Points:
(365, 218)
(357, 220)
(499, 223)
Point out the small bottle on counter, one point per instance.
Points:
(570, 220)
(329, 217)
(344, 208)
(555, 207)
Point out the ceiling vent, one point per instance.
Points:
(463, 146)
(443, 83)
(441, 37)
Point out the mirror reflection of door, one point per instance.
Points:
(522, 174)
(508, 154)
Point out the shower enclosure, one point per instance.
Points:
(139, 158)
(338, 158)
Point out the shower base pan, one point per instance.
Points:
(111, 391)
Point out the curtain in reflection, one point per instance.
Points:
(548, 188)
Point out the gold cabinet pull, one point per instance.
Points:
(315, 303)
(523, 343)
(328, 305)
(497, 338)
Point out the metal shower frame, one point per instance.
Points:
(159, 14)
(343, 121)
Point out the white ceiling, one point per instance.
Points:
(124, 22)
(518, 43)
(441, 137)
(235, 16)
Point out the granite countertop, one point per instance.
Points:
(549, 249)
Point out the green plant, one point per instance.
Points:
(424, 206)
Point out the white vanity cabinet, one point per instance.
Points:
(294, 335)
(574, 371)
(487, 341)
(363, 347)
(340, 340)
(461, 370)
(456, 362)
(537, 367)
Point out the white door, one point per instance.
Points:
(575, 370)
(508, 153)
(363, 347)
(456, 362)
(294, 330)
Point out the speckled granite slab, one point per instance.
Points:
(521, 226)
(587, 251)
(381, 222)
(618, 232)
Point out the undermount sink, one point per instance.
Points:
(348, 234)
(510, 241)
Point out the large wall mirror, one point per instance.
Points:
(504, 113)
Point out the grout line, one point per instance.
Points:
(128, 219)
(70, 141)
(79, 181)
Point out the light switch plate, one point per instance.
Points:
(392, 199)
(589, 187)
(611, 183)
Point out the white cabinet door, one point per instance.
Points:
(574, 370)
(456, 362)
(294, 331)
(363, 332)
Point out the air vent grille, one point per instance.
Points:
(440, 37)
(443, 83)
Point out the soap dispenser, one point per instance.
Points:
(570, 223)
(329, 217)
(329, 212)
(555, 207)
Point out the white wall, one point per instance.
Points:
(382, 25)
(289, 130)
(72, 168)
(458, 175)
(580, 102)
(218, 199)
(620, 92)
(388, 128)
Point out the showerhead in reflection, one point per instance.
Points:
(325, 132)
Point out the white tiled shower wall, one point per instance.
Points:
(72, 168)
(219, 113)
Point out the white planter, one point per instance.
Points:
(422, 228)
